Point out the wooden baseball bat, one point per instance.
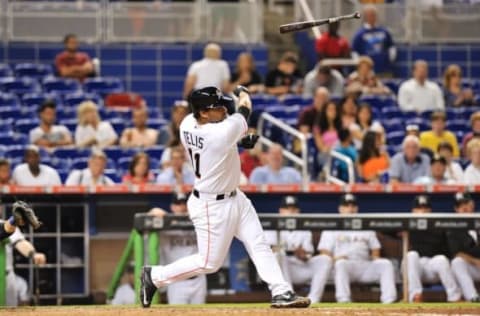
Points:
(298, 26)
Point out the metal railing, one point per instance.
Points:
(157, 21)
(412, 22)
(328, 168)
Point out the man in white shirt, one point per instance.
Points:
(296, 254)
(323, 76)
(472, 172)
(420, 94)
(210, 71)
(438, 167)
(93, 174)
(356, 256)
(274, 172)
(32, 172)
(178, 173)
(48, 135)
(139, 135)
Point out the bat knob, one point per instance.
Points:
(239, 89)
(357, 15)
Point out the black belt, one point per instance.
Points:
(219, 196)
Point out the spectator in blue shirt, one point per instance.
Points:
(178, 173)
(274, 172)
(346, 148)
(375, 41)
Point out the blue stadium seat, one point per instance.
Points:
(292, 99)
(7, 112)
(24, 126)
(75, 99)
(5, 70)
(391, 112)
(108, 114)
(3, 148)
(426, 115)
(378, 102)
(394, 149)
(458, 125)
(156, 123)
(61, 86)
(459, 135)
(79, 163)
(15, 151)
(71, 153)
(116, 153)
(6, 125)
(118, 125)
(408, 115)
(19, 86)
(66, 114)
(38, 98)
(113, 174)
(278, 111)
(263, 99)
(13, 139)
(393, 125)
(60, 164)
(395, 138)
(392, 84)
(63, 175)
(155, 151)
(422, 123)
(33, 70)
(71, 124)
(123, 163)
(103, 86)
(9, 99)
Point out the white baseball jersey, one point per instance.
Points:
(213, 154)
(291, 240)
(354, 245)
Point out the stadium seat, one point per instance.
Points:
(422, 123)
(12, 139)
(263, 99)
(82, 163)
(33, 70)
(457, 125)
(5, 70)
(391, 112)
(3, 148)
(60, 164)
(75, 99)
(63, 175)
(71, 124)
(6, 125)
(7, 112)
(378, 102)
(8, 99)
(156, 123)
(24, 126)
(113, 174)
(30, 99)
(19, 86)
(118, 125)
(61, 86)
(409, 115)
(116, 153)
(71, 153)
(395, 138)
(155, 151)
(66, 114)
(278, 111)
(426, 115)
(123, 163)
(15, 151)
(292, 99)
(393, 84)
(103, 85)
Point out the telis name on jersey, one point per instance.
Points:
(192, 140)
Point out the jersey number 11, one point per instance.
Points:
(195, 158)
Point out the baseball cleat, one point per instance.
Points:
(24, 215)
(289, 300)
(148, 289)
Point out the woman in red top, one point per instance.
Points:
(138, 171)
(332, 45)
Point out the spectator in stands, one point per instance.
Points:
(326, 130)
(72, 63)
(375, 41)
(364, 123)
(349, 109)
(139, 135)
(125, 293)
(331, 45)
(210, 71)
(306, 120)
(251, 159)
(428, 258)
(48, 135)
(5, 177)
(356, 256)
(139, 170)
(454, 171)
(373, 161)
(431, 139)
(365, 80)
(274, 172)
(323, 76)
(246, 75)
(169, 135)
(472, 172)
(410, 164)
(475, 133)
(178, 173)
(346, 148)
(438, 167)
(32, 172)
(285, 78)
(295, 252)
(454, 93)
(418, 93)
(90, 131)
(93, 174)
(465, 247)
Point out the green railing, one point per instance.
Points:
(3, 275)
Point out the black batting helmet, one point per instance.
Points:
(207, 98)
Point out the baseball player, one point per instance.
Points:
(176, 244)
(465, 247)
(428, 258)
(125, 293)
(218, 209)
(295, 252)
(22, 214)
(357, 258)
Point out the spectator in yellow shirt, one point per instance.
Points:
(438, 134)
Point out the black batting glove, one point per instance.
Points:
(249, 141)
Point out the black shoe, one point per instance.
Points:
(475, 299)
(148, 289)
(290, 300)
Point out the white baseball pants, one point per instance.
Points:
(466, 274)
(378, 270)
(316, 270)
(430, 270)
(191, 291)
(216, 223)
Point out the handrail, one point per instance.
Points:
(344, 159)
(303, 160)
(309, 16)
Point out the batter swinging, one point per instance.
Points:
(218, 209)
